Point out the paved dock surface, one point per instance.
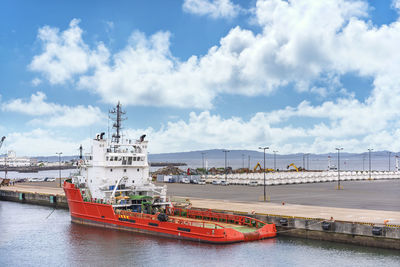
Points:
(371, 195)
(306, 211)
(362, 201)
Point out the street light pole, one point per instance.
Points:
(338, 169)
(275, 159)
(370, 149)
(363, 162)
(389, 159)
(264, 148)
(59, 165)
(242, 161)
(225, 151)
(249, 162)
(202, 159)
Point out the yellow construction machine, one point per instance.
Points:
(294, 166)
(261, 169)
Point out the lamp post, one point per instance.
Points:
(308, 160)
(275, 151)
(242, 161)
(225, 151)
(363, 162)
(264, 148)
(59, 165)
(389, 159)
(202, 159)
(369, 153)
(249, 162)
(338, 169)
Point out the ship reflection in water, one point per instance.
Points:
(27, 238)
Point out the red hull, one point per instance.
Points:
(103, 215)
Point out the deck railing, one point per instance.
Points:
(215, 216)
(203, 224)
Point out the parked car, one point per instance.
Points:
(202, 181)
(216, 182)
(185, 181)
(253, 183)
(223, 182)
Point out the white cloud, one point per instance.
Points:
(40, 142)
(65, 54)
(36, 106)
(396, 4)
(298, 46)
(309, 44)
(54, 115)
(36, 82)
(212, 8)
(207, 131)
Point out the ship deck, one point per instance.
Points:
(239, 228)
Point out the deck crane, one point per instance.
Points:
(2, 140)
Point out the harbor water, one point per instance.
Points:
(40, 236)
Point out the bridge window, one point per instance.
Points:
(129, 160)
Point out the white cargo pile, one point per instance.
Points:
(278, 178)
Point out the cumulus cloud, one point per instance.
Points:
(207, 131)
(307, 44)
(36, 82)
(39, 142)
(65, 54)
(54, 115)
(36, 106)
(212, 8)
(396, 4)
(298, 46)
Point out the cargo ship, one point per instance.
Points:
(112, 188)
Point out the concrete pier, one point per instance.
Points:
(375, 228)
(355, 226)
(45, 196)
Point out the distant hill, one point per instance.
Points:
(235, 159)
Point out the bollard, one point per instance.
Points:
(376, 230)
(284, 222)
(326, 225)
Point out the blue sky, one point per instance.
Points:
(298, 76)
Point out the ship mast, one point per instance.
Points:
(116, 114)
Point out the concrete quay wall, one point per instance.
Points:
(358, 233)
(52, 200)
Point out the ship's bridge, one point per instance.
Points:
(125, 159)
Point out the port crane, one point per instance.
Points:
(2, 140)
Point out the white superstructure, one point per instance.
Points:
(117, 171)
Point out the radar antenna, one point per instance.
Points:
(116, 114)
